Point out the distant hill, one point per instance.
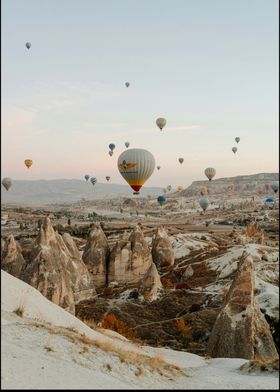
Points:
(39, 192)
(259, 183)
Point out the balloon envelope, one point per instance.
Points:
(7, 183)
(126, 144)
(234, 149)
(161, 122)
(136, 165)
(237, 139)
(28, 163)
(112, 146)
(161, 199)
(181, 160)
(210, 172)
(28, 45)
(275, 186)
(203, 190)
(87, 176)
(127, 84)
(204, 203)
(107, 178)
(158, 167)
(180, 188)
(111, 153)
(93, 180)
(168, 188)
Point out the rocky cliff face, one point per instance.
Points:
(162, 250)
(56, 269)
(12, 260)
(96, 254)
(241, 330)
(130, 258)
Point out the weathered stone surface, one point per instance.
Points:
(150, 284)
(96, 254)
(12, 260)
(254, 232)
(56, 270)
(130, 258)
(162, 250)
(240, 330)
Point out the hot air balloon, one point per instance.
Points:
(181, 160)
(164, 190)
(136, 165)
(180, 188)
(203, 190)
(161, 122)
(107, 178)
(111, 153)
(234, 149)
(28, 163)
(7, 183)
(210, 172)
(168, 188)
(87, 176)
(112, 146)
(161, 199)
(158, 167)
(275, 186)
(269, 202)
(204, 203)
(93, 180)
(126, 144)
(237, 139)
(28, 45)
(127, 84)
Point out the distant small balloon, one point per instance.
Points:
(112, 146)
(127, 144)
(210, 172)
(111, 153)
(107, 178)
(275, 186)
(234, 149)
(203, 190)
(127, 84)
(93, 180)
(161, 199)
(204, 203)
(28, 163)
(168, 188)
(28, 45)
(7, 183)
(181, 160)
(158, 167)
(161, 122)
(180, 188)
(237, 139)
(87, 176)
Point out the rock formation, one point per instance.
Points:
(130, 258)
(254, 232)
(241, 330)
(12, 260)
(96, 254)
(56, 269)
(150, 284)
(162, 250)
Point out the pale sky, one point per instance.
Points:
(210, 67)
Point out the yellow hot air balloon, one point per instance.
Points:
(136, 165)
(28, 163)
(210, 172)
(180, 188)
(203, 190)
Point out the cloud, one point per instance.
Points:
(183, 128)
